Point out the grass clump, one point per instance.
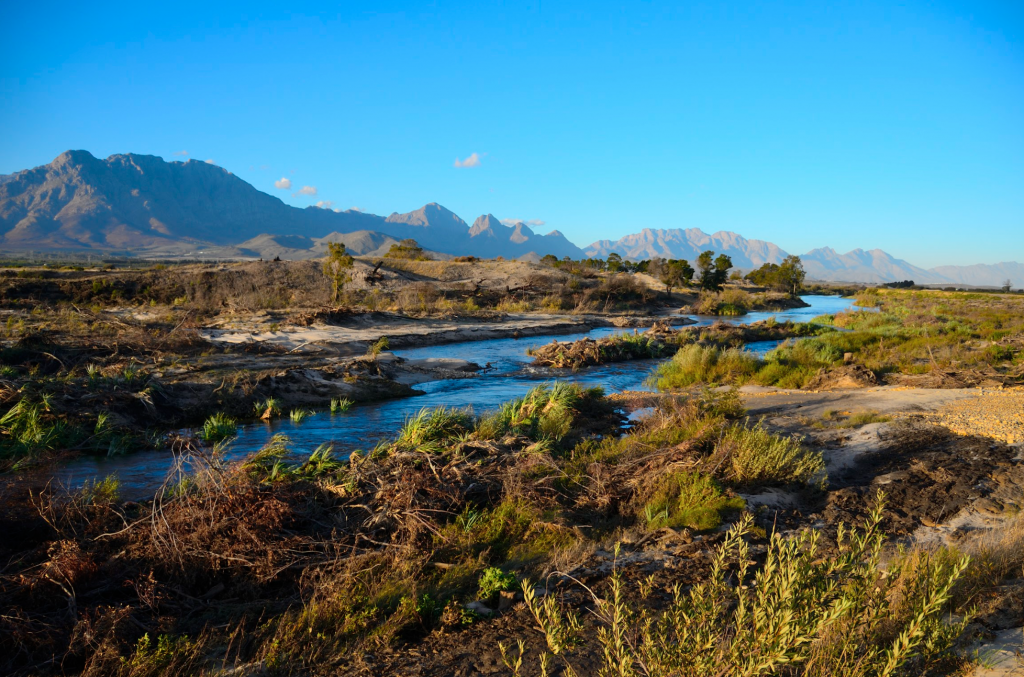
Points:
(299, 415)
(689, 499)
(267, 409)
(217, 428)
(758, 457)
(544, 413)
(340, 406)
(432, 429)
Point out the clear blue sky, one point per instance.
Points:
(848, 124)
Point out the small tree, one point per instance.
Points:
(713, 271)
(791, 275)
(406, 249)
(337, 267)
(675, 273)
(614, 263)
(1008, 285)
(722, 265)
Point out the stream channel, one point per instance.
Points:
(505, 374)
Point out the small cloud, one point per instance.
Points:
(325, 204)
(356, 209)
(533, 223)
(182, 153)
(305, 190)
(283, 183)
(471, 161)
(210, 161)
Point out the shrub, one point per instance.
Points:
(689, 499)
(493, 581)
(758, 457)
(802, 612)
(705, 364)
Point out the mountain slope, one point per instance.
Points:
(677, 243)
(863, 266)
(991, 275)
(142, 203)
(129, 201)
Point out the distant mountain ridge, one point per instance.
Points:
(143, 205)
(825, 263)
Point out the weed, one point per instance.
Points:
(340, 406)
(217, 428)
(299, 415)
(377, 347)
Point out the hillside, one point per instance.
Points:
(142, 204)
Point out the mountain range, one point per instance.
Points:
(142, 205)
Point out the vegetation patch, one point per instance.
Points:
(689, 500)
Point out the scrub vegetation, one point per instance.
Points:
(927, 338)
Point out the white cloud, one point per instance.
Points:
(356, 209)
(182, 153)
(471, 161)
(283, 183)
(210, 161)
(533, 223)
(305, 190)
(325, 204)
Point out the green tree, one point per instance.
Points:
(722, 266)
(337, 267)
(614, 263)
(674, 273)
(791, 275)
(714, 272)
(406, 249)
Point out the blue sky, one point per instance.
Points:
(846, 124)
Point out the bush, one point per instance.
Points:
(705, 364)
(802, 612)
(757, 457)
(689, 499)
(493, 581)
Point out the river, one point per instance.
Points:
(507, 374)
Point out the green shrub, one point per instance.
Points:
(757, 457)
(493, 581)
(689, 499)
(695, 363)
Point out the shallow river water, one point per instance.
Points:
(506, 374)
